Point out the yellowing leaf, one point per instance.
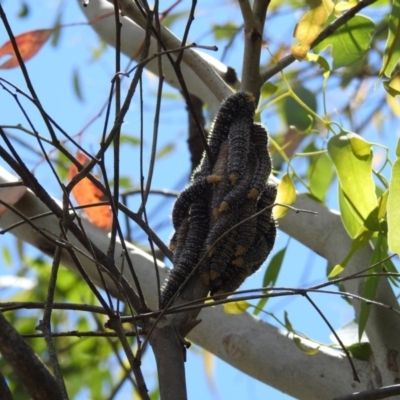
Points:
(392, 85)
(237, 307)
(29, 43)
(286, 195)
(310, 25)
(86, 193)
(336, 270)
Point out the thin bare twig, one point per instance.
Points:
(45, 323)
(355, 375)
(134, 362)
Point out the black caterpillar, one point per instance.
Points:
(224, 191)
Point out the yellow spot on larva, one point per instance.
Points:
(238, 262)
(213, 178)
(253, 194)
(223, 207)
(233, 178)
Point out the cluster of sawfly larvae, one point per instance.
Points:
(225, 190)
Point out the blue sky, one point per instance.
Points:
(52, 72)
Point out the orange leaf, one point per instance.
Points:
(29, 43)
(86, 193)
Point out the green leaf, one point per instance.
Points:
(125, 182)
(268, 89)
(382, 206)
(350, 42)
(129, 139)
(77, 84)
(294, 113)
(393, 209)
(371, 282)
(349, 73)
(62, 165)
(165, 151)
(171, 18)
(237, 307)
(260, 305)
(24, 11)
(360, 351)
(305, 350)
(98, 51)
(7, 256)
(155, 394)
(352, 157)
(270, 276)
(272, 272)
(320, 174)
(387, 265)
(360, 147)
(288, 324)
(361, 239)
(286, 195)
(56, 29)
(225, 31)
(339, 285)
(351, 220)
(392, 48)
(310, 25)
